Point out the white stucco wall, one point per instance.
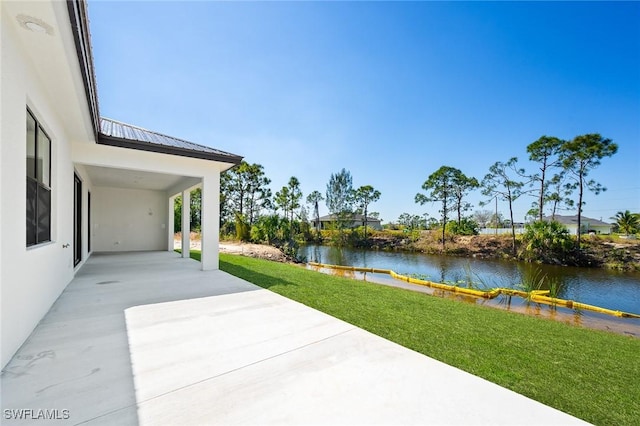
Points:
(2, 206)
(600, 229)
(128, 219)
(40, 71)
(2, 355)
(193, 170)
(31, 279)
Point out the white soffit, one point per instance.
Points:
(44, 31)
(131, 179)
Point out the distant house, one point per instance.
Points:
(326, 222)
(588, 225)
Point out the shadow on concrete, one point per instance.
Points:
(76, 367)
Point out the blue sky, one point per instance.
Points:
(390, 91)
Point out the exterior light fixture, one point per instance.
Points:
(34, 24)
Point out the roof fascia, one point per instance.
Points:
(161, 149)
(80, 28)
(82, 37)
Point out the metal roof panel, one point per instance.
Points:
(117, 133)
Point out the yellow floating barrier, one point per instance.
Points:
(538, 296)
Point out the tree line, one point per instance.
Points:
(249, 210)
(563, 170)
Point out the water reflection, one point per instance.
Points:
(627, 326)
(533, 277)
(600, 287)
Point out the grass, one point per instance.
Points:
(590, 374)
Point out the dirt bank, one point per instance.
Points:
(597, 251)
(235, 247)
(253, 250)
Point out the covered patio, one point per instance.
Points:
(149, 338)
(129, 185)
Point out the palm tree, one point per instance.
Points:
(628, 223)
(314, 198)
(546, 240)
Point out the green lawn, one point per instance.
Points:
(590, 374)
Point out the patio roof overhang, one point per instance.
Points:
(118, 134)
(167, 175)
(171, 184)
(115, 133)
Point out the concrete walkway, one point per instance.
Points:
(148, 338)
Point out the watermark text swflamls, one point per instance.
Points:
(35, 414)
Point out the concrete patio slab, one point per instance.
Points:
(148, 338)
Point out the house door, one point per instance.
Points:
(77, 219)
(88, 222)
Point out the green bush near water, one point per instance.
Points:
(467, 226)
(590, 374)
(546, 241)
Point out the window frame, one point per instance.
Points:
(38, 226)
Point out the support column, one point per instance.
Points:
(210, 221)
(171, 224)
(186, 223)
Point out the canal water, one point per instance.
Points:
(601, 287)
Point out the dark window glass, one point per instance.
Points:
(32, 223)
(44, 158)
(38, 183)
(44, 214)
(31, 147)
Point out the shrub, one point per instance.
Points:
(548, 242)
(269, 229)
(467, 226)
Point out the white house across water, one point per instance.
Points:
(588, 225)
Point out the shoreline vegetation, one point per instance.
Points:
(597, 251)
(609, 252)
(250, 212)
(545, 360)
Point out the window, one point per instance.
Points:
(38, 183)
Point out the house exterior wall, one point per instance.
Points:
(373, 225)
(3, 358)
(128, 219)
(32, 278)
(40, 72)
(196, 171)
(599, 229)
